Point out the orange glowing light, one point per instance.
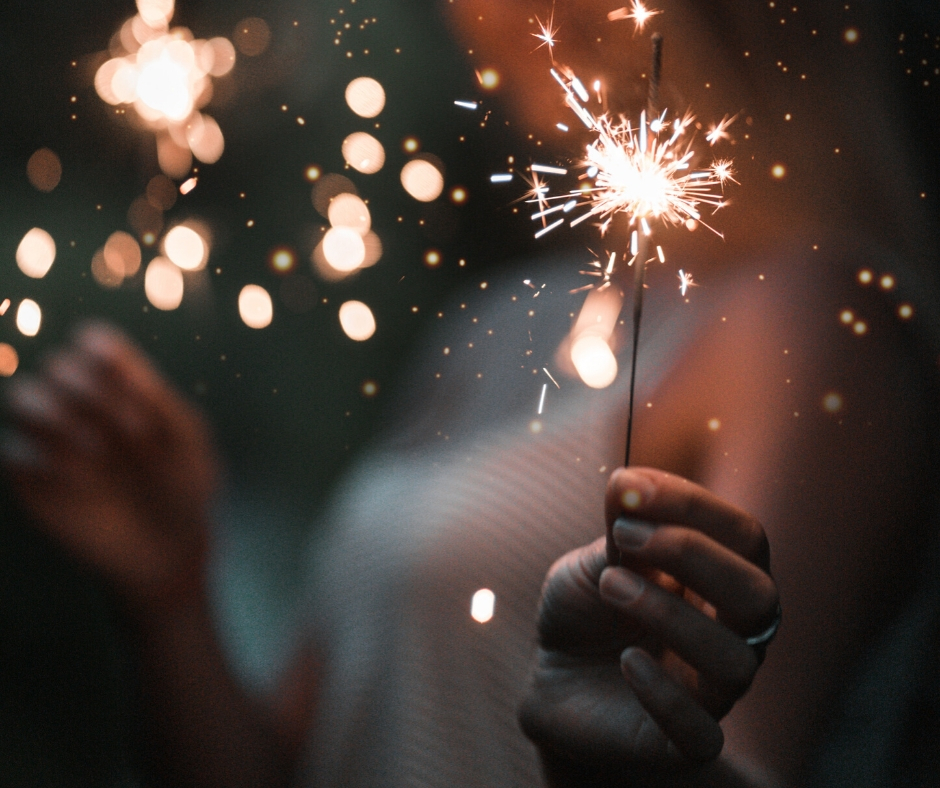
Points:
(9, 359)
(186, 248)
(343, 248)
(365, 96)
(363, 152)
(489, 78)
(255, 307)
(163, 284)
(422, 180)
(357, 320)
(44, 170)
(594, 361)
(35, 253)
(349, 210)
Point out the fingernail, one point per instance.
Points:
(619, 585)
(631, 534)
(637, 491)
(634, 662)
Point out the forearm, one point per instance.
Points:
(205, 730)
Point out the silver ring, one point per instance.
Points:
(761, 640)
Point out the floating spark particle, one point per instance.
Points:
(551, 378)
(467, 104)
(719, 131)
(548, 170)
(542, 398)
(685, 282)
(501, 177)
(639, 13)
(547, 35)
(188, 185)
(561, 127)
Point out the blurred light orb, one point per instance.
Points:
(422, 180)
(326, 188)
(348, 210)
(186, 248)
(343, 248)
(205, 138)
(357, 320)
(28, 317)
(122, 254)
(161, 192)
(365, 96)
(363, 152)
(373, 246)
(223, 56)
(410, 145)
(594, 361)
(9, 359)
(156, 13)
(255, 307)
(165, 77)
(251, 36)
(432, 258)
(163, 284)
(36, 253)
(458, 195)
(44, 170)
(312, 173)
(482, 605)
(283, 259)
(103, 274)
(489, 78)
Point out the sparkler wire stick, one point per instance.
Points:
(639, 271)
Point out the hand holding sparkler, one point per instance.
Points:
(637, 666)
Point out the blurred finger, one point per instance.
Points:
(39, 412)
(659, 497)
(693, 731)
(744, 596)
(722, 658)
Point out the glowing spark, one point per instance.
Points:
(549, 170)
(551, 378)
(719, 131)
(542, 398)
(467, 104)
(547, 35)
(550, 227)
(561, 127)
(638, 12)
(685, 281)
(502, 177)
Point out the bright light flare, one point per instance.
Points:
(357, 320)
(36, 253)
(255, 307)
(422, 180)
(365, 96)
(186, 248)
(638, 12)
(482, 605)
(546, 35)
(28, 317)
(163, 284)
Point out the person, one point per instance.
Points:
(757, 390)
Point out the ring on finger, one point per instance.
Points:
(763, 639)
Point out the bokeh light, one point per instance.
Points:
(422, 180)
(482, 605)
(489, 78)
(363, 152)
(251, 36)
(103, 274)
(28, 317)
(312, 173)
(156, 13)
(186, 248)
(255, 307)
(9, 359)
(36, 253)
(348, 210)
(282, 259)
(163, 284)
(357, 320)
(122, 254)
(343, 248)
(373, 247)
(328, 187)
(161, 193)
(365, 96)
(594, 361)
(44, 170)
